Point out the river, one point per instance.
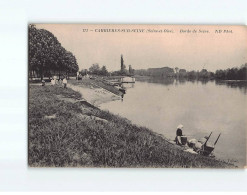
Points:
(202, 107)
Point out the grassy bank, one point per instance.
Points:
(64, 131)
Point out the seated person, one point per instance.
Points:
(179, 133)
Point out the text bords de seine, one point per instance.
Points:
(109, 30)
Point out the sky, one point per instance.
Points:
(191, 47)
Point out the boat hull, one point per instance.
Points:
(127, 80)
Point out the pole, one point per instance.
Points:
(217, 139)
(207, 139)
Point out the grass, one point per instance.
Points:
(77, 136)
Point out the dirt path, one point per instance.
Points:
(94, 96)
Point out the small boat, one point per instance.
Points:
(205, 149)
(193, 146)
(120, 89)
(127, 80)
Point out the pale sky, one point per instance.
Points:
(142, 50)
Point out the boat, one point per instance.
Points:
(127, 80)
(205, 149)
(120, 89)
(202, 148)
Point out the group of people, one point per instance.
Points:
(56, 81)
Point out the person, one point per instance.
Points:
(65, 82)
(43, 82)
(55, 79)
(53, 82)
(179, 133)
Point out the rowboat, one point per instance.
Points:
(127, 80)
(120, 89)
(204, 148)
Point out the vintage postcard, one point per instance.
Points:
(172, 96)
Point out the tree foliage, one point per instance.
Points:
(104, 71)
(46, 55)
(228, 74)
(94, 69)
(232, 73)
(97, 70)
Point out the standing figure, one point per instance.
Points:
(43, 82)
(53, 82)
(55, 79)
(179, 133)
(65, 82)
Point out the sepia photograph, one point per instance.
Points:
(137, 96)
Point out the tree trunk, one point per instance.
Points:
(30, 75)
(68, 74)
(49, 74)
(41, 74)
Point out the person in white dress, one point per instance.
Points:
(65, 82)
(53, 82)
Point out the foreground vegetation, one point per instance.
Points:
(64, 131)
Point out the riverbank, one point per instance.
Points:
(66, 130)
(95, 91)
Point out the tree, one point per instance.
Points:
(122, 63)
(232, 73)
(131, 70)
(46, 54)
(182, 73)
(191, 75)
(204, 74)
(104, 71)
(83, 72)
(94, 69)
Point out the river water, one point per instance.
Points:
(202, 107)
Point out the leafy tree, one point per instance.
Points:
(95, 69)
(232, 73)
(192, 74)
(104, 71)
(46, 55)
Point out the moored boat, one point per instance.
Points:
(120, 89)
(127, 80)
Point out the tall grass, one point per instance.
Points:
(73, 138)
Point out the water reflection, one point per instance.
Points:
(165, 81)
(202, 106)
(241, 85)
(127, 85)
